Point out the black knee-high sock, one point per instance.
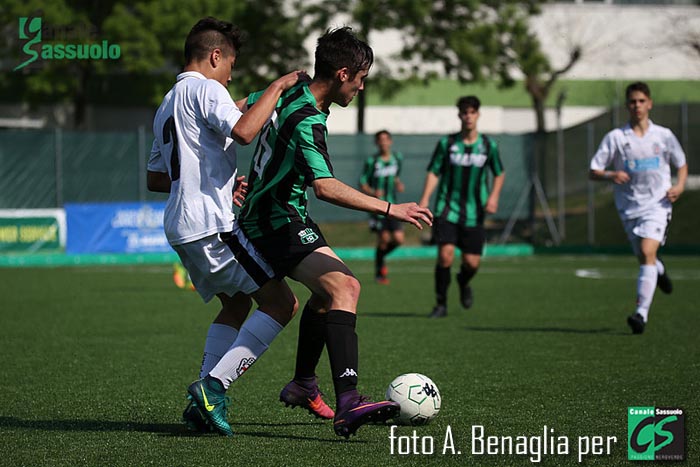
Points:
(341, 341)
(379, 261)
(442, 282)
(391, 247)
(312, 338)
(467, 273)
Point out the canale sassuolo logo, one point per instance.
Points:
(30, 30)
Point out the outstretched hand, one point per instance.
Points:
(412, 214)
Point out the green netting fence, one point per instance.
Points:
(47, 168)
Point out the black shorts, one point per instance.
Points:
(380, 224)
(469, 240)
(287, 246)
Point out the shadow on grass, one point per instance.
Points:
(381, 314)
(164, 429)
(609, 331)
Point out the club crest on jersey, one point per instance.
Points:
(307, 236)
(656, 147)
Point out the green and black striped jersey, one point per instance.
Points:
(381, 174)
(463, 188)
(291, 153)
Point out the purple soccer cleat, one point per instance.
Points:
(296, 395)
(361, 411)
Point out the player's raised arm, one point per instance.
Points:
(336, 192)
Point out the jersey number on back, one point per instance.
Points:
(169, 134)
(264, 151)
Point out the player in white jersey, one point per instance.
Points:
(640, 155)
(194, 159)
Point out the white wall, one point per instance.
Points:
(443, 120)
(623, 42)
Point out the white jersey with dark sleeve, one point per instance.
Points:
(647, 160)
(193, 145)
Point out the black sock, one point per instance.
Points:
(312, 338)
(391, 247)
(467, 274)
(379, 261)
(341, 341)
(442, 282)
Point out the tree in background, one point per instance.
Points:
(469, 40)
(151, 36)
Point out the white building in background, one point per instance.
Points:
(619, 41)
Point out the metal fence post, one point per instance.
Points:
(142, 163)
(58, 147)
(561, 173)
(591, 191)
(684, 126)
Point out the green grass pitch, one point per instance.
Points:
(95, 362)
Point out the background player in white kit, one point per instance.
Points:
(640, 154)
(193, 158)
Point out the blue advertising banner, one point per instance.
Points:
(116, 228)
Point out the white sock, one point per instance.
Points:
(660, 267)
(219, 339)
(646, 285)
(255, 336)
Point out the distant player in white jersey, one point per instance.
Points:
(194, 159)
(640, 155)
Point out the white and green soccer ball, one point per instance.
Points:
(418, 397)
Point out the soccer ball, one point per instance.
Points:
(418, 397)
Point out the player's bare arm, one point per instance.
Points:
(249, 125)
(400, 187)
(618, 177)
(492, 202)
(336, 192)
(431, 181)
(368, 190)
(158, 182)
(677, 190)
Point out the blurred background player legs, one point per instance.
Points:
(389, 237)
(380, 178)
(181, 277)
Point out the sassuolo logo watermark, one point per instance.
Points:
(655, 434)
(30, 30)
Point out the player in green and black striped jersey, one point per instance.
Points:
(459, 169)
(380, 178)
(292, 155)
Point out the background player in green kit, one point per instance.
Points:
(380, 178)
(292, 155)
(458, 169)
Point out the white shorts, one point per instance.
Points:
(653, 225)
(224, 263)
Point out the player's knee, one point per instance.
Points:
(445, 261)
(348, 290)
